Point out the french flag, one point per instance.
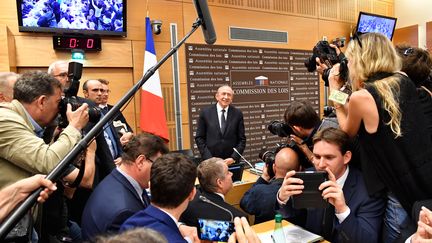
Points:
(152, 117)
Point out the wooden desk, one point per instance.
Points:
(236, 193)
(269, 225)
(266, 226)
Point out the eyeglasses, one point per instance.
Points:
(63, 75)
(151, 161)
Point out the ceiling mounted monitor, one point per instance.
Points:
(94, 17)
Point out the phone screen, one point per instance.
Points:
(215, 230)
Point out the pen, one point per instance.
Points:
(273, 239)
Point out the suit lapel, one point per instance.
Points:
(215, 118)
(349, 186)
(162, 217)
(128, 185)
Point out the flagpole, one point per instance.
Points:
(58, 171)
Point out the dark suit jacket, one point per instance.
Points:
(155, 219)
(364, 222)
(112, 202)
(210, 140)
(200, 209)
(260, 199)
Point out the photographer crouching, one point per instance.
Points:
(304, 122)
(261, 198)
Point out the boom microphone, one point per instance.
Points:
(207, 23)
(235, 150)
(204, 199)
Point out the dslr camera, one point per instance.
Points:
(329, 57)
(70, 96)
(268, 156)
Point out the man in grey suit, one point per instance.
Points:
(221, 128)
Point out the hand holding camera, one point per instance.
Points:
(79, 117)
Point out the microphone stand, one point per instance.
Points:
(56, 173)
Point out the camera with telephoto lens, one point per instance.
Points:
(70, 96)
(329, 57)
(269, 155)
(279, 128)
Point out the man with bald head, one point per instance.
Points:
(7, 81)
(93, 90)
(260, 199)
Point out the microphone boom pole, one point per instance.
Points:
(56, 173)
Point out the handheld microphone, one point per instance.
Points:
(207, 23)
(206, 200)
(235, 150)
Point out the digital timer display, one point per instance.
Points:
(77, 42)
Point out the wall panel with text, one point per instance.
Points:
(264, 81)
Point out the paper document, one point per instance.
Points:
(293, 233)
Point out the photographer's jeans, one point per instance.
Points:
(395, 220)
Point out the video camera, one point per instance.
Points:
(269, 155)
(329, 57)
(280, 128)
(70, 96)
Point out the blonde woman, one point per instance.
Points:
(383, 110)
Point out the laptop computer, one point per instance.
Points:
(237, 170)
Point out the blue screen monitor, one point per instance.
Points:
(368, 22)
(93, 17)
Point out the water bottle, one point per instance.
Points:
(278, 233)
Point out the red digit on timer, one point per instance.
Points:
(72, 43)
(90, 43)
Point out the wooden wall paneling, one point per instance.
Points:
(302, 32)
(365, 5)
(167, 11)
(7, 53)
(407, 35)
(286, 6)
(8, 15)
(328, 9)
(38, 51)
(429, 36)
(383, 7)
(348, 10)
(307, 7)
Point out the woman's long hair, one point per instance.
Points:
(371, 54)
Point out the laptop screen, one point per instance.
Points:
(237, 170)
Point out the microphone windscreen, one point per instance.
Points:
(207, 23)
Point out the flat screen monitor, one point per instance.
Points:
(368, 22)
(94, 17)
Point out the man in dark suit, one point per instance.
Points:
(215, 182)
(353, 216)
(172, 187)
(124, 131)
(122, 193)
(260, 199)
(221, 128)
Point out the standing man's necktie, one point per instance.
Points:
(223, 121)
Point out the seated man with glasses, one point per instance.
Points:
(122, 193)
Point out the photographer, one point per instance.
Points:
(353, 216)
(385, 113)
(301, 117)
(260, 199)
(23, 152)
